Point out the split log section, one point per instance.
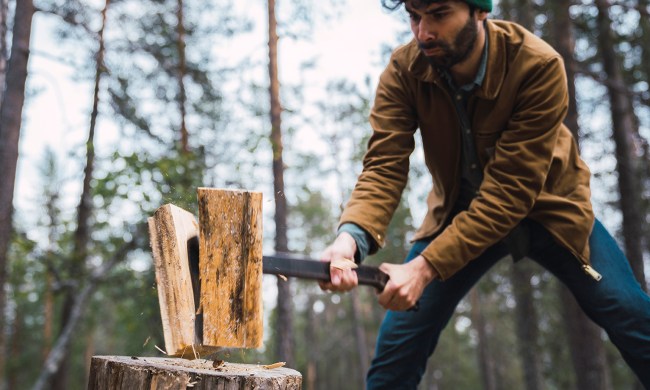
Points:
(209, 273)
(209, 282)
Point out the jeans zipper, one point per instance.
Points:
(589, 270)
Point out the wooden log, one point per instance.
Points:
(172, 233)
(230, 261)
(128, 373)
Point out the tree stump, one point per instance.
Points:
(123, 372)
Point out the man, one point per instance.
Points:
(488, 98)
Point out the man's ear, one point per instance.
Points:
(481, 15)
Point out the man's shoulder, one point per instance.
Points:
(519, 41)
(405, 54)
(409, 61)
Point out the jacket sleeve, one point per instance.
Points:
(514, 176)
(386, 162)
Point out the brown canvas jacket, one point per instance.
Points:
(530, 159)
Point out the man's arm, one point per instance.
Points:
(386, 163)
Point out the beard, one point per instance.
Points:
(458, 51)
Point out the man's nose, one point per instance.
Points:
(426, 32)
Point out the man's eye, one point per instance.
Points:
(414, 17)
(440, 15)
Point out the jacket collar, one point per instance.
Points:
(496, 64)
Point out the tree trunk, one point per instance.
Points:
(182, 70)
(89, 351)
(525, 14)
(120, 372)
(360, 337)
(313, 352)
(284, 326)
(521, 274)
(81, 235)
(4, 54)
(587, 348)
(624, 130)
(526, 324)
(644, 25)
(486, 363)
(48, 313)
(16, 347)
(13, 98)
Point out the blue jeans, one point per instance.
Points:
(616, 303)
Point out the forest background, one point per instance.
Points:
(110, 109)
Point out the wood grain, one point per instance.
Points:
(230, 261)
(170, 230)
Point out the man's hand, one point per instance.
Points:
(341, 251)
(406, 284)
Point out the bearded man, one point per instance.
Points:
(489, 99)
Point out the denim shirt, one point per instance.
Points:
(470, 168)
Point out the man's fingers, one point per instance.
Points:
(343, 264)
(340, 280)
(392, 298)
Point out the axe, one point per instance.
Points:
(209, 273)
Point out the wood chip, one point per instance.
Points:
(282, 277)
(274, 365)
(217, 363)
(344, 264)
(158, 348)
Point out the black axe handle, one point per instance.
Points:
(288, 265)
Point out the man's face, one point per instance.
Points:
(445, 31)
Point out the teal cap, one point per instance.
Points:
(483, 5)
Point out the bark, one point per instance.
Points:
(81, 235)
(121, 372)
(313, 352)
(4, 13)
(644, 24)
(624, 130)
(15, 348)
(486, 363)
(284, 328)
(182, 70)
(48, 314)
(13, 98)
(587, 348)
(526, 325)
